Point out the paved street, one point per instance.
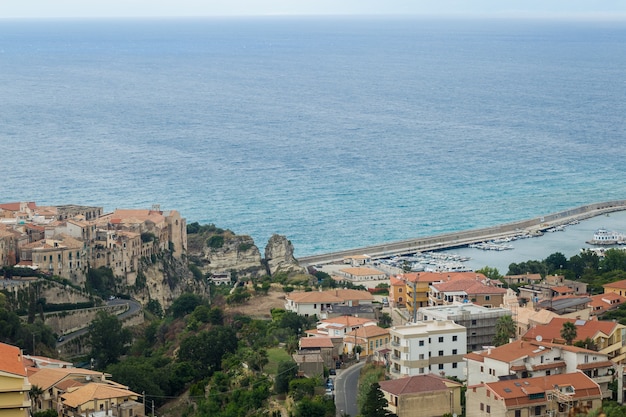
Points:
(346, 388)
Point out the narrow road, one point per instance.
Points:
(346, 389)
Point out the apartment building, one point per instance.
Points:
(607, 336)
(479, 321)
(525, 359)
(14, 385)
(560, 395)
(428, 347)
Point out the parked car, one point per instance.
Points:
(332, 372)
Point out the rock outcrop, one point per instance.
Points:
(279, 256)
(234, 253)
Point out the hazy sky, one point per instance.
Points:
(176, 8)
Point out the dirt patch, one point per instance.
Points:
(260, 306)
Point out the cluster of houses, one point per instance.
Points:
(445, 342)
(66, 240)
(72, 392)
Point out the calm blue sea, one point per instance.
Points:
(336, 132)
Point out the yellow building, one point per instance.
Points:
(617, 287)
(422, 396)
(369, 337)
(14, 385)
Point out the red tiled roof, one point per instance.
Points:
(315, 342)
(516, 392)
(442, 276)
(469, 287)
(617, 284)
(584, 329)
(592, 365)
(11, 360)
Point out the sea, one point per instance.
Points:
(336, 132)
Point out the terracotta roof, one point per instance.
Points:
(516, 392)
(92, 391)
(368, 331)
(561, 288)
(347, 321)
(544, 366)
(592, 365)
(69, 383)
(48, 377)
(316, 342)
(528, 277)
(468, 286)
(416, 384)
(442, 276)
(584, 328)
(11, 360)
(617, 284)
(396, 281)
(16, 206)
(362, 271)
(520, 349)
(606, 301)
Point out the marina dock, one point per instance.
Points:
(535, 226)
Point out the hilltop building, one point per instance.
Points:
(14, 384)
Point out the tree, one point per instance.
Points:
(385, 321)
(568, 332)
(35, 394)
(108, 339)
(375, 404)
(185, 304)
(505, 330)
(286, 372)
(491, 273)
(556, 262)
(205, 350)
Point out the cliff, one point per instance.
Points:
(216, 253)
(279, 256)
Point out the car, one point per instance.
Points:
(332, 372)
(60, 339)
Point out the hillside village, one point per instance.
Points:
(436, 336)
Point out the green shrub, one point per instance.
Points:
(215, 242)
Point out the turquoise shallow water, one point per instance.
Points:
(336, 132)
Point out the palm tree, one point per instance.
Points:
(35, 393)
(568, 332)
(505, 330)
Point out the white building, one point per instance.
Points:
(428, 347)
(525, 359)
(479, 321)
(319, 303)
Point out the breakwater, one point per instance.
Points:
(463, 238)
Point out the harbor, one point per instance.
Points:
(551, 228)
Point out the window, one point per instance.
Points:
(473, 322)
(518, 413)
(482, 407)
(440, 339)
(538, 410)
(488, 409)
(421, 370)
(548, 372)
(454, 338)
(440, 353)
(487, 297)
(482, 369)
(441, 366)
(454, 351)
(399, 289)
(421, 356)
(454, 365)
(421, 343)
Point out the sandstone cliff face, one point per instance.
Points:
(165, 280)
(279, 256)
(238, 253)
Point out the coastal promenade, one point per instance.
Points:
(463, 238)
